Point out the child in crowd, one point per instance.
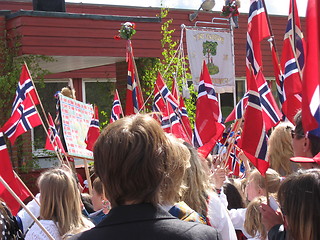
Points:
(100, 203)
(60, 209)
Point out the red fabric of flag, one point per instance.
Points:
(6, 172)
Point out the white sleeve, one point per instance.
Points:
(219, 218)
(36, 233)
(237, 217)
(25, 217)
(223, 198)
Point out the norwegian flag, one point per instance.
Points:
(277, 73)
(171, 124)
(175, 89)
(24, 118)
(94, 130)
(53, 142)
(116, 111)
(6, 172)
(25, 88)
(159, 105)
(311, 76)
(238, 111)
(168, 106)
(270, 111)
(257, 30)
(185, 119)
(253, 138)
(292, 85)
(235, 164)
(134, 101)
(208, 115)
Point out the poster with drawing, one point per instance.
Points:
(215, 47)
(76, 117)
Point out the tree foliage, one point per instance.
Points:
(10, 70)
(170, 65)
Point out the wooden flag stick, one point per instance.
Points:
(233, 139)
(136, 71)
(42, 108)
(23, 184)
(86, 168)
(4, 183)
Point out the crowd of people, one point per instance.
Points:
(151, 185)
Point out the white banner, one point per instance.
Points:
(215, 47)
(76, 117)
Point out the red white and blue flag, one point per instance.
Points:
(292, 63)
(257, 30)
(6, 172)
(24, 118)
(116, 111)
(235, 164)
(171, 116)
(311, 76)
(25, 88)
(53, 142)
(253, 139)
(238, 111)
(134, 100)
(270, 111)
(94, 130)
(208, 115)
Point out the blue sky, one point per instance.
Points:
(279, 7)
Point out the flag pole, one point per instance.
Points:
(272, 41)
(86, 168)
(136, 70)
(269, 26)
(233, 139)
(44, 113)
(293, 37)
(4, 183)
(25, 186)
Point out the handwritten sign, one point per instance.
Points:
(76, 117)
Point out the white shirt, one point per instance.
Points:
(219, 218)
(36, 233)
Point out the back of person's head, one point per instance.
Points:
(172, 187)
(300, 133)
(197, 182)
(280, 149)
(253, 224)
(269, 183)
(130, 157)
(299, 197)
(97, 185)
(234, 195)
(60, 199)
(8, 225)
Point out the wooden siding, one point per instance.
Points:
(88, 37)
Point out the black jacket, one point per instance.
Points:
(144, 221)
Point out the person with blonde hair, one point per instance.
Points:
(60, 206)
(131, 157)
(280, 149)
(253, 224)
(201, 197)
(173, 186)
(258, 185)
